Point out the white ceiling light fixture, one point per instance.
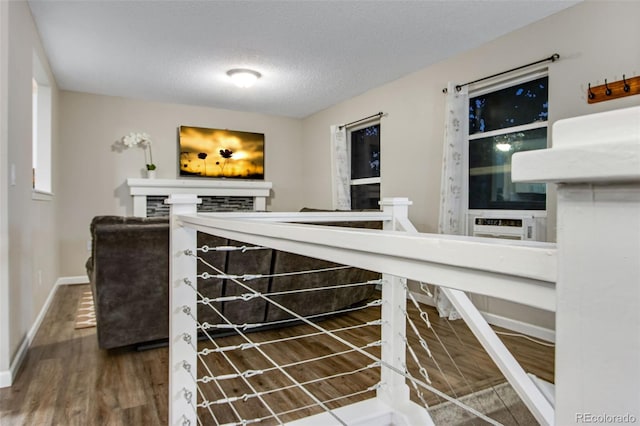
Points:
(243, 77)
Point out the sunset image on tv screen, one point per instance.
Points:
(218, 153)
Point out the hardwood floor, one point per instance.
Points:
(67, 380)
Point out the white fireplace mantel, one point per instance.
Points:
(141, 188)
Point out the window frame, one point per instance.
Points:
(42, 163)
(369, 180)
(482, 89)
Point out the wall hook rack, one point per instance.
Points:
(614, 90)
(626, 86)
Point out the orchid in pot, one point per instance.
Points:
(142, 140)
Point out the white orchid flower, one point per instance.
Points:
(129, 140)
(144, 140)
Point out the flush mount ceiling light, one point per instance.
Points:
(242, 77)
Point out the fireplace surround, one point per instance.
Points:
(218, 195)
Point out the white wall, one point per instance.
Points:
(5, 346)
(30, 268)
(593, 45)
(94, 176)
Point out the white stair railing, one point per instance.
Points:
(596, 265)
(392, 252)
(517, 377)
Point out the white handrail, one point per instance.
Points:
(518, 271)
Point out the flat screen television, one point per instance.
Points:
(220, 153)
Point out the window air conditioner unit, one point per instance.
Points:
(513, 228)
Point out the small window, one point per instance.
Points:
(41, 131)
(365, 167)
(490, 185)
(517, 105)
(501, 123)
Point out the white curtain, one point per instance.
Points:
(456, 129)
(341, 169)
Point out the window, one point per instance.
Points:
(501, 123)
(365, 167)
(41, 133)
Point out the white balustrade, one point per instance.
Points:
(591, 278)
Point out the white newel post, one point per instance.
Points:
(182, 311)
(394, 390)
(596, 163)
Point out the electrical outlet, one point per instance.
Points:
(12, 175)
(89, 245)
(39, 277)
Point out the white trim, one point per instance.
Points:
(139, 189)
(365, 181)
(500, 82)
(521, 128)
(39, 195)
(526, 328)
(7, 377)
(198, 187)
(79, 279)
(499, 213)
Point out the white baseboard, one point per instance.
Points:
(5, 379)
(517, 326)
(7, 376)
(80, 279)
(526, 328)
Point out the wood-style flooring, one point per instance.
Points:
(67, 380)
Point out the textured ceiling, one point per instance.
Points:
(312, 54)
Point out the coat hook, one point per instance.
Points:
(608, 91)
(626, 87)
(591, 94)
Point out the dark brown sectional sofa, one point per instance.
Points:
(129, 275)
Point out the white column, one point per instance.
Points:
(182, 312)
(596, 163)
(260, 204)
(140, 205)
